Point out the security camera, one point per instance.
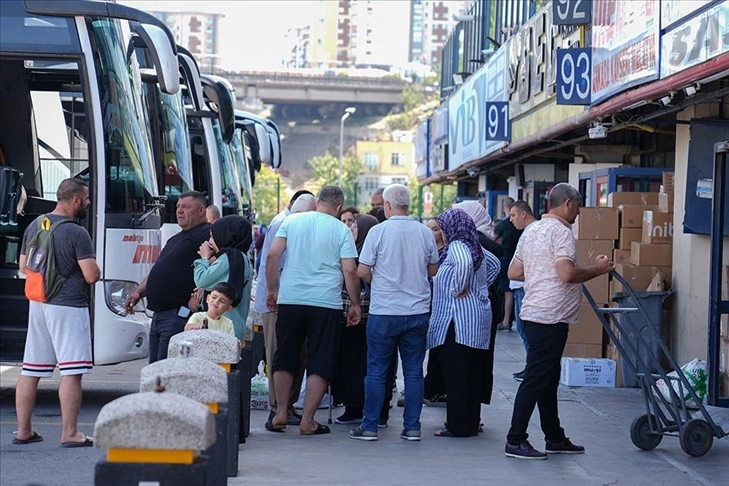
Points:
(472, 171)
(666, 100)
(692, 89)
(598, 130)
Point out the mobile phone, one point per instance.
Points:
(183, 312)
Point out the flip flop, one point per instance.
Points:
(276, 427)
(320, 429)
(33, 438)
(269, 426)
(88, 442)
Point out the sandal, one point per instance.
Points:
(30, 440)
(444, 432)
(320, 430)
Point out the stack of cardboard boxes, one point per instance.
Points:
(596, 230)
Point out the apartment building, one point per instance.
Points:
(199, 33)
(383, 163)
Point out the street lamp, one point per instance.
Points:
(347, 112)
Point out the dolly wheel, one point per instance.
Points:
(696, 437)
(641, 435)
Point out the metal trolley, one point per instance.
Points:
(664, 416)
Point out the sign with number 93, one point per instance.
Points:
(574, 76)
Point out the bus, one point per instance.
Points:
(72, 106)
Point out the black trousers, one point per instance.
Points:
(463, 368)
(541, 380)
(434, 380)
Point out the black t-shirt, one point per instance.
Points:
(171, 280)
(509, 238)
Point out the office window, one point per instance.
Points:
(400, 180)
(397, 158)
(370, 160)
(370, 184)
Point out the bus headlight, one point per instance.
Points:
(116, 293)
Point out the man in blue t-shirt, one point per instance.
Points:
(319, 250)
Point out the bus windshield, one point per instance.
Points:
(228, 175)
(131, 178)
(176, 157)
(241, 163)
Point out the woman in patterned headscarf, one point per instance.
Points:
(461, 319)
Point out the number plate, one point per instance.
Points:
(574, 76)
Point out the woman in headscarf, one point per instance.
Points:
(434, 383)
(461, 319)
(348, 387)
(482, 220)
(224, 258)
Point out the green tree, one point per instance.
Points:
(326, 173)
(443, 197)
(269, 195)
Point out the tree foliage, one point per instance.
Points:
(269, 195)
(326, 173)
(443, 196)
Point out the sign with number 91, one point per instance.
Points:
(574, 76)
(498, 125)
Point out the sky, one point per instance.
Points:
(252, 33)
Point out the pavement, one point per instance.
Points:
(597, 418)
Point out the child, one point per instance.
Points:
(219, 301)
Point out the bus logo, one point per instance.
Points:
(146, 253)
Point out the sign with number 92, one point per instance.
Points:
(498, 124)
(574, 76)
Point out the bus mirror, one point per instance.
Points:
(264, 145)
(191, 76)
(163, 56)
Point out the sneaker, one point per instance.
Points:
(564, 447)
(504, 327)
(413, 434)
(382, 423)
(349, 418)
(401, 400)
(520, 375)
(361, 434)
(523, 451)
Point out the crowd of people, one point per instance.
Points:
(341, 295)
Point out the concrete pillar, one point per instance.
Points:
(155, 438)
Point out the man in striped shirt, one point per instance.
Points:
(398, 257)
(546, 260)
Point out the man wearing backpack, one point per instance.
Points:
(60, 256)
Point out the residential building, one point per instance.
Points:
(430, 24)
(383, 163)
(199, 33)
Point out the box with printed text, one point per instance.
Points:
(588, 372)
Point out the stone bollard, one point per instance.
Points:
(204, 382)
(223, 349)
(153, 438)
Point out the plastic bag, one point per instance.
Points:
(259, 390)
(695, 372)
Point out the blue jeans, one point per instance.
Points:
(518, 298)
(384, 335)
(165, 324)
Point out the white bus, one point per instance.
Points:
(72, 105)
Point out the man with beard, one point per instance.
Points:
(59, 327)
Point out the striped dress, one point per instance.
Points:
(471, 314)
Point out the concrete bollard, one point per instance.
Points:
(153, 438)
(223, 349)
(204, 382)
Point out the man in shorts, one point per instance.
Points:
(59, 331)
(319, 249)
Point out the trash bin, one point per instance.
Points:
(633, 324)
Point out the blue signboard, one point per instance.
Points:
(572, 12)
(574, 76)
(498, 124)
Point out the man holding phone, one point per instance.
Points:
(169, 284)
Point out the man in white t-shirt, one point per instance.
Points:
(398, 257)
(521, 216)
(319, 249)
(546, 260)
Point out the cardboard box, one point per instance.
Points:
(581, 350)
(616, 199)
(628, 235)
(657, 227)
(588, 372)
(588, 329)
(588, 250)
(621, 256)
(597, 224)
(639, 277)
(631, 216)
(599, 288)
(646, 254)
(665, 202)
